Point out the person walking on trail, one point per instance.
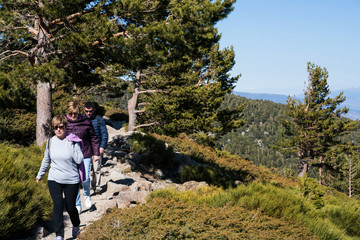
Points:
(62, 156)
(100, 129)
(81, 126)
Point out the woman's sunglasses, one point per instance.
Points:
(61, 127)
(73, 114)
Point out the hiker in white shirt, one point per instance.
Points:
(62, 156)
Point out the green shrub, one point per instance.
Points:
(22, 200)
(17, 126)
(312, 191)
(117, 114)
(330, 222)
(210, 174)
(231, 166)
(346, 216)
(155, 150)
(170, 219)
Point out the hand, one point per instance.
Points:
(37, 180)
(95, 158)
(101, 150)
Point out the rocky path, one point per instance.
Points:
(121, 187)
(123, 184)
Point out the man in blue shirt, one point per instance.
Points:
(99, 125)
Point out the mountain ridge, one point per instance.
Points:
(352, 99)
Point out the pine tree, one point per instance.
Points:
(313, 126)
(181, 78)
(58, 43)
(167, 48)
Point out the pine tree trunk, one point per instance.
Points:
(43, 118)
(321, 172)
(304, 167)
(132, 103)
(350, 177)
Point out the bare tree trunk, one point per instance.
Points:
(350, 176)
(321, 172)
(304, 168)
(43, 118)
(132, 103)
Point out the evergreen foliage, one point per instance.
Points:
(281, 203)
(56, 42)
(155, 150)
(22, 201)
(255, 140)
(313, 130)
(168, 48)
(170, 219)
(17, 126)
(262, 129)
(224, 167)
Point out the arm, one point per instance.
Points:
(94, 142)
(44, 164)
(104, 134)
(77, 154)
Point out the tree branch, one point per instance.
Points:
(140, 111)
(61, 21)
(146, 125)
(151, 91)
(105, 39)
(13, 53)
(143, 104)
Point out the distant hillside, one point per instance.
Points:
(352, 99)
(352, 102)
(276, 98)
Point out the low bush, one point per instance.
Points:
(231, 166)
(117, 114)
(22, 200)
(164, 218)
(330, 222)
(155, 150)
(17, 126)
(210, 174)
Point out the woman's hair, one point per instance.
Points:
(59, 119)
(73, 107)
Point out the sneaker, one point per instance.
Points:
(78, 209)
(88, 202)
(75, 231)
(59, 238)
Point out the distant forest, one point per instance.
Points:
(262, 130)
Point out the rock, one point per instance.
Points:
(141, 186)
(119, 153)
(116, 175)
(126, 168)
(123, 184)
(114, 187)
(191, 185)
(108, 205)
(132, 197)
(159, 174)
(122, 204)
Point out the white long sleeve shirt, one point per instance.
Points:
(63, 157)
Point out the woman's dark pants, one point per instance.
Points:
(70, 191)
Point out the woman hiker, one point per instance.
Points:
(63, 156)
(81, 126)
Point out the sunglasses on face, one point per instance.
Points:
(73, 114)
(61, 127)
(89, 111)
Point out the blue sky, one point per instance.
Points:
(274, 40)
